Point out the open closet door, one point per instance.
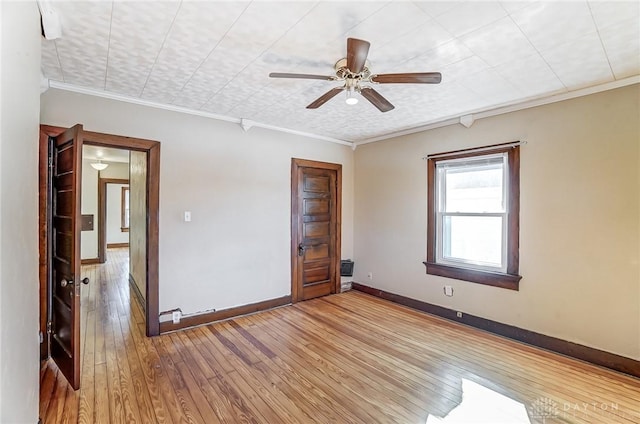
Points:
(65, 323)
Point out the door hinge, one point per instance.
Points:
(49, 327)
(50, 162)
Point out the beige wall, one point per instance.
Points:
(237, 186)
(138, 220)
(579, 238)
(19, 109)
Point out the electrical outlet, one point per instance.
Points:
(448, 291)
(459, 314)
(370, 276)
(176, 315)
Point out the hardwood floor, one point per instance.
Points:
(347, 358)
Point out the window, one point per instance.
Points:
(473, 215)
(124, 206)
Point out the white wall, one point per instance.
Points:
(580, 233)
(19, 110)
(89, 239)
(114, 215)
(237, 185)
(119, 170)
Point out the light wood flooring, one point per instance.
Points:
(347, 358)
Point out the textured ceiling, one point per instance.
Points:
(215, 57)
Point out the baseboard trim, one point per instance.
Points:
(209, 317)
(584, 353)
(116, 245)
(138, 293)
(91, 261)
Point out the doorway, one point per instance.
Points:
(316, 197)
(105, 178)
(146, 150)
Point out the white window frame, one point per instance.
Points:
(441, 213)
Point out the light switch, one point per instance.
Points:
(187, 216)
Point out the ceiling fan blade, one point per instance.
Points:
(357, 52)
(376, 99)
(410, 78)
(301, 76)
(325, 98)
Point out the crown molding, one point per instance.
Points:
(505, 108)
(438, 123)
(240, 121)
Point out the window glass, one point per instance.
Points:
(474, 240)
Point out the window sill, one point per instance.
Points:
(495, 279)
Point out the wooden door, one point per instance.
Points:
(65, 253)
(315, 227)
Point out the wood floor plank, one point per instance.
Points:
(141, 390)
(293, 359)
(188, 409)
(195, 391)
(368, 390)
(284, 389)
(56, 405)
(221, 406)
(347, 358)
(165, 404)
(192, 355)
(519, 370)
(284, 407)
(70, 411)
(116, 406)
(87, 377)
(101, 406)
(47, 386)
(233, 401)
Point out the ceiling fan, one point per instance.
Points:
(354, 71)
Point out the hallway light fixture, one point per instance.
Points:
(99, 165)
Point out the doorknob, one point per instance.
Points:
(85, 280)
(65, 283)
(301, 249)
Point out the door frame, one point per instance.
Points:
(152, 149)
(296, 164)
(102, 214)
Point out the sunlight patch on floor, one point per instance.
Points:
(482, 405)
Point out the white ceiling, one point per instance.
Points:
(215, 57)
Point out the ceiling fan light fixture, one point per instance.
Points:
(99, 166)
(351, 99)
(354, 70)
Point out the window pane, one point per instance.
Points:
(473, 239)
(474, 187)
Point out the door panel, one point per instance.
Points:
(316, 206)
(65, 324)
(315, 229)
